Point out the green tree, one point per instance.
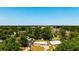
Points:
(46, 33)
(23, 41)
(10, 45)
(69, 45)
(37, 32)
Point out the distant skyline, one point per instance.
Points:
(39, 16)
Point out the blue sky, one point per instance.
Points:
(39, 16)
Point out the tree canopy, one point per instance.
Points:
(10, 45)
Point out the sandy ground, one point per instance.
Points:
(26, 49)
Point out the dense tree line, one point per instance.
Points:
(71, 42)
(14, 37)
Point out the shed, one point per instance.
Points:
(55, 42)
(40, 43)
